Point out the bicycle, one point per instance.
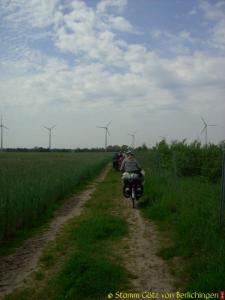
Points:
(133, 187)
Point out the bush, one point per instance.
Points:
(187, 160)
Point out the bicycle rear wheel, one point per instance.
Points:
(133, 198)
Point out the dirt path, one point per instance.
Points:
(16, 267)
(149, 271)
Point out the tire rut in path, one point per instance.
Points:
(15, 268)
(149, 271)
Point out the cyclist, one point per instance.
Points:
(131, 165)
(116, 157)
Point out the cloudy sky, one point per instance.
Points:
(151, 66)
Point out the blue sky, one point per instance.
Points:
(152, 66)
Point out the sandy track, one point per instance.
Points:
(149, 271)
(15, 268)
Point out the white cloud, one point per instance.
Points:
(87, 32)
(34, 13)
(176, 43)
(119, 23)
(104, 5)
(106, 75)
(215, 12)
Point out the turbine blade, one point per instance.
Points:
(203, 121)
(212, 125)
(109, 123)
(108, 132)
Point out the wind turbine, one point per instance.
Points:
(50, 135)
(106, 132)
(205, 129)
(2, 127)
(133, 139)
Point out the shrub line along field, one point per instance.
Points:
(33, 184)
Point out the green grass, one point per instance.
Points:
(187, 210)
(99, 227)
(85, 277)
(32, 186)
(90, 272)
(83, 264)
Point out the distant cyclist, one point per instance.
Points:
(121, 158)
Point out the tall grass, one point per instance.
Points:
(31, 184)
(84, 261)
(187, 208)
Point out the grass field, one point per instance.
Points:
(83, 262)
(184, 207)
(32, 185)
(187, 209)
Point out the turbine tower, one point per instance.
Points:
(50, 135)
(133, 139)
(205, 129)
(2, 127)
(106, 128)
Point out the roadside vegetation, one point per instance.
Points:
(83, 262)
(32, 185)
(182, 193)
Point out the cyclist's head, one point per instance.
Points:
(130, 153)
